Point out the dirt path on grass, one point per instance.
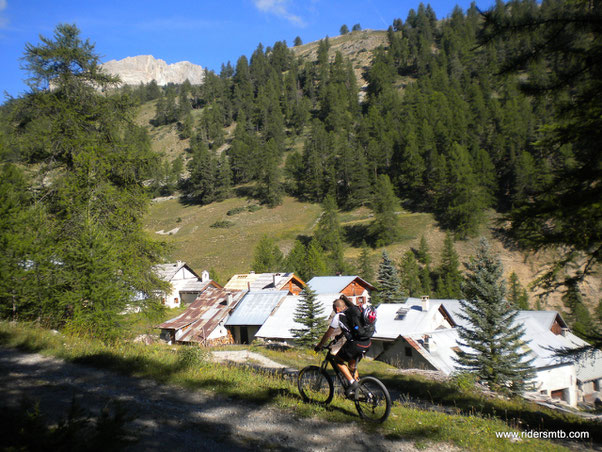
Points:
(165, 417)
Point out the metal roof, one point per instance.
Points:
(280, 323)
(204, 314)
(167, 271)
(539, 341)
(395, 319)
(333, 284)
(256, 307)
(260, 281)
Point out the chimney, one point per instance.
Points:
(274, 279)
(425, 303)
(428, 343)
(204, 276)
(229, 299)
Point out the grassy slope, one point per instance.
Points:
(473, 430)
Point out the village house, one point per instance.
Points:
(353, 287)
(397, 319)
(185, 284)
(279, 325)
(266, 281)
(422, 334)
(203, 321)
(252, 312)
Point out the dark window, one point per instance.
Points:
(409, 351)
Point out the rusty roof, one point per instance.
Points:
(204, 314)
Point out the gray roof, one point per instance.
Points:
(539, 341)
(395, 319)
(167, 271)
(332, 284)
(256, 307)
(280, 323)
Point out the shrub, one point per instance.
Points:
(224, 224)
(235, 211)
(191, 357)
(254, 208)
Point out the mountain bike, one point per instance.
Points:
(371, 398)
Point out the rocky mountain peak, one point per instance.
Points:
(145, 68)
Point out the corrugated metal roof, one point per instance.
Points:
(256, 307)
(259, 281)
(279, 324)
(204, 314)
(330, 284)
(167, 271)
(395, 319)
(539, 341)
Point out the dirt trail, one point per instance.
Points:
(168, 417)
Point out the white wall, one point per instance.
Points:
(556, 378)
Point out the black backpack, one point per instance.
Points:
(362, 322)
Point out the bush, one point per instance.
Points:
(224, 224)
(192, 356)
(235, 211)
(254, 208)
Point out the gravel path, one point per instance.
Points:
(168, 417)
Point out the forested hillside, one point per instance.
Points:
(430, 118)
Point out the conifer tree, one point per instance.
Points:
(517, 294)
(98, 255)
(410, 275)
(295, 260)
(310, 314)
(578, 316)
(388, 282)
(365, 270)
(495, 351)
(385, 228)
(268, 257)
(449, 280)
(328, 234)
(315, 261)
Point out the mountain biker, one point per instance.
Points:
(353, 350)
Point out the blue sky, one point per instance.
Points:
(204, 32)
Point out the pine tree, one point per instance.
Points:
(268, 257)
(424, 259)
(517, 294)
(385, 228)
(315, 261)
(449, 277)
(578, 316)
(388, 282)
(365, 270)
(310, 314)
(295, 260)
(328, 234)
(495, 352)
(410, 275)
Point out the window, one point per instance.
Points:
(409, 352)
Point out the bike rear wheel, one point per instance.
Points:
(315, 385)
(372, 400)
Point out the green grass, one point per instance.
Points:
(190, 368)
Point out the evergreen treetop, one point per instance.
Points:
(492, 340)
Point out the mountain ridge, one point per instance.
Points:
(146, 68)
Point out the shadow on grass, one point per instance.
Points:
(515, 412)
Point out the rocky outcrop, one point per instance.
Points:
(145, 68)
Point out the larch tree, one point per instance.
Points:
(99, 257)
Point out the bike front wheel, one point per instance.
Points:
(315, 385)
(372, 400)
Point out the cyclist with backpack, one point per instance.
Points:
(357, 326)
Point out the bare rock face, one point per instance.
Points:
(145, 68)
